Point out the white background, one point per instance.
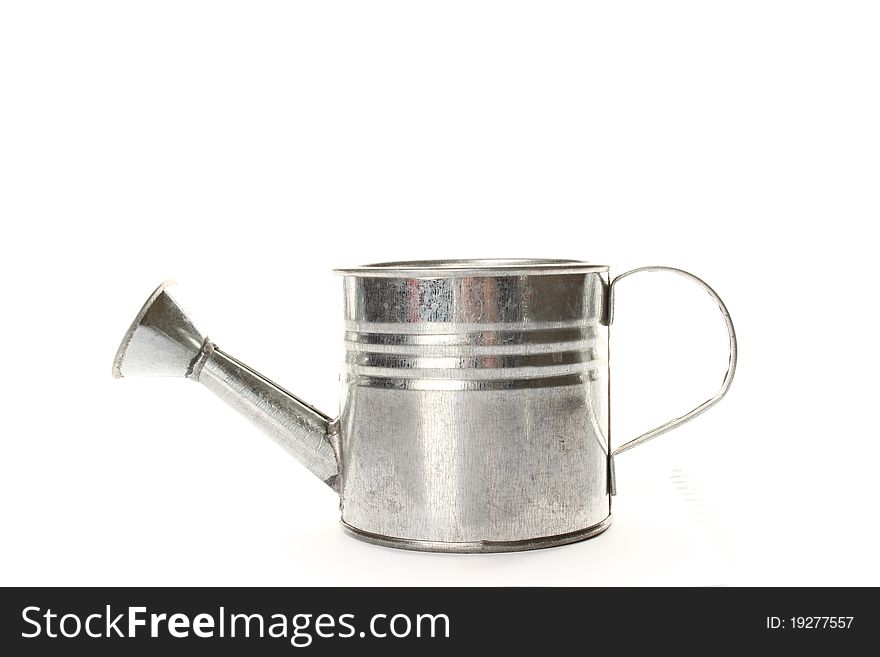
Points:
(248, 148)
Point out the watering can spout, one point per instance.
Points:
(163, 341)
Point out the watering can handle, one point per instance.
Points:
(690, 415)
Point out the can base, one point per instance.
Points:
(477, 546)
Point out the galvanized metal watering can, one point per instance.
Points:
(475, 409)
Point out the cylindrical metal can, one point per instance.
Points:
(474, 413)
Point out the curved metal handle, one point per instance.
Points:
(725, 384)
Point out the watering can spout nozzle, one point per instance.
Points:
(161, 341)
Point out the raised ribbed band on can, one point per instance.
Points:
(473, 356)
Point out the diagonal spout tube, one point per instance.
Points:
(163, 341)
(301, 429)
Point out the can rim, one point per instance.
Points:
(472, 267)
